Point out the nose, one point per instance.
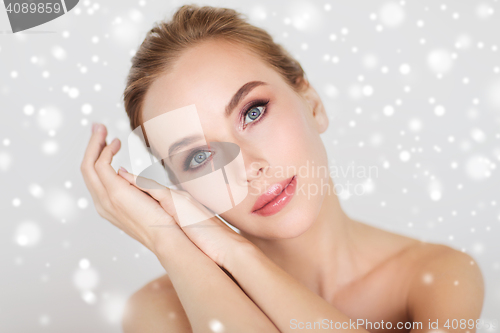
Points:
(255, 168)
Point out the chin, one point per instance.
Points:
(291, 223)
(294, 228)
(299, 219)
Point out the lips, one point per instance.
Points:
(276, 198)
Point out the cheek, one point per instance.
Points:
(289, 139)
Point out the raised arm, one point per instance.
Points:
(204, 290)
(288, 303)
(208, 296)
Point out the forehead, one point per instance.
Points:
(206, 75)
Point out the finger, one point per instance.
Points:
(159, 192)
(107, 175)
(164, 196)
(96, 144)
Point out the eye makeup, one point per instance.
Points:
(194, 152)
(246, 109)
(242, 115)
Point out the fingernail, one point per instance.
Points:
(93, 127)
(99, 128)
(123, 169)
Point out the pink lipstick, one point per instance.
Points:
(276, 198)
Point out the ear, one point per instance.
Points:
(316, 107)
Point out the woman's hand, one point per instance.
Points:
(129, 209)
(212, 235)
(147, 214)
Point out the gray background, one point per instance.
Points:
(385, 71)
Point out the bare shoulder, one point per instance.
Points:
(438, 262)
(445, 284)
(420, 256)
(155, 308)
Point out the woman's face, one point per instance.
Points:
(276, 129)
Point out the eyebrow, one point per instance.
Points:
(242, 92)
(235, 100)
(181, 143)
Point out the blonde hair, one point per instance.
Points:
(190, 25)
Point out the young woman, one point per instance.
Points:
(299, 262)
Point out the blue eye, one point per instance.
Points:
(253, 114)
(199, 158)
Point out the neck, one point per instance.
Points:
(317, 256)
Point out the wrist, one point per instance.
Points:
(168, 241)
(241, 253)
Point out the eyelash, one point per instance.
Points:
(253, 105)
(191, 156)
(243, 115)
